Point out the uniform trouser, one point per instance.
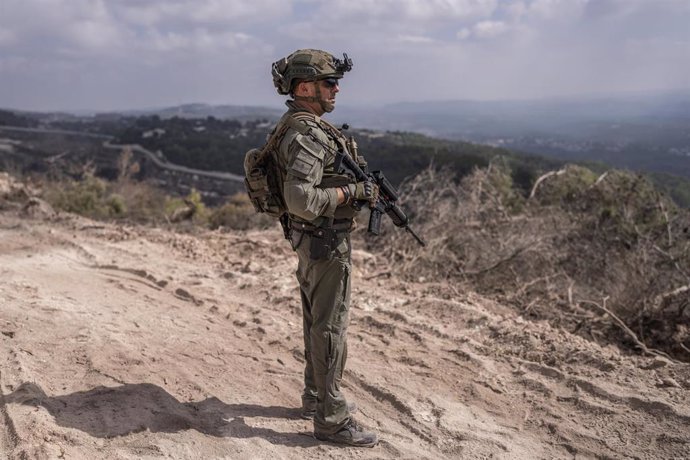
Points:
(325, 292)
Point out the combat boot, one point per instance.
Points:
(352, 435)
(309, 409)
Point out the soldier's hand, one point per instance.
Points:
(366, 191)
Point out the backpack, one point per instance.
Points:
(263, 176)
(263, 180)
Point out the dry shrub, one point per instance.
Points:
(13, 192)
(239, 214)
(141, 202)
(451, 217)
(99, 199)
(606, 257)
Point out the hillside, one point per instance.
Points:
(126, 342)
(216, 138)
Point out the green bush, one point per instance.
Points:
(501, 180)
(190, 207)
(567, 187)
(116, 206)
(85, 197)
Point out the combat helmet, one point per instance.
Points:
(307, 64)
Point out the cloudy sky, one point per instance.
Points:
(121, 54)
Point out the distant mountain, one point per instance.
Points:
(197, 110)
(639, 131)
(644, 132)
(471, 119)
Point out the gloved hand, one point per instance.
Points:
(365, 191)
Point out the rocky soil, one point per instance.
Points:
(123, 342)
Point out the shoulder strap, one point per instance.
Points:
(294, 121)
(335, 131)
(276, 135)
(290, 120)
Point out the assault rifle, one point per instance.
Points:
(386, 199)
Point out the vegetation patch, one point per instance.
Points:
(604, 256)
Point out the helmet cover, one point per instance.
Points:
(309, 65)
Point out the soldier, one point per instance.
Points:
(321, 204)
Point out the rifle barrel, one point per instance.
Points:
(416, 237)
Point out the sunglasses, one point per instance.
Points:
(330, 82)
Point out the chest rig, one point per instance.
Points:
(325, 234)
(304, 123)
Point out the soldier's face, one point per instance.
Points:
(323, 91)
(328, 88)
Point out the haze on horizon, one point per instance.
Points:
(128, 54)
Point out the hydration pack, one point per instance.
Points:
(263, 178)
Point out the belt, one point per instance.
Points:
(339, 225)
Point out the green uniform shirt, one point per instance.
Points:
(310, 182)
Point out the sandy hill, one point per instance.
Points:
(124, 342)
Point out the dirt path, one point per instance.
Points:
(125, 342)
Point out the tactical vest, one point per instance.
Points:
(266, 168)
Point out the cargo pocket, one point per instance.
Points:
(332, 350)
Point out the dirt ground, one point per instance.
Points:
(123, 342)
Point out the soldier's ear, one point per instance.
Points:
(302, 88)
(299, 88)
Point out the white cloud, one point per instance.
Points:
(486, 30)
(156, 12)
(552, 9)
(490, 29)
(419, 39)
(95, 35)
(200, 40)
(72, 28)
(450, 9)
(464, 33)
(421, 10)
(58, 24)
(230, 10)
(514, 10)
(180, 50)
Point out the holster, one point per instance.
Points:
(323, 243)
(285, 224)
(323, 240)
